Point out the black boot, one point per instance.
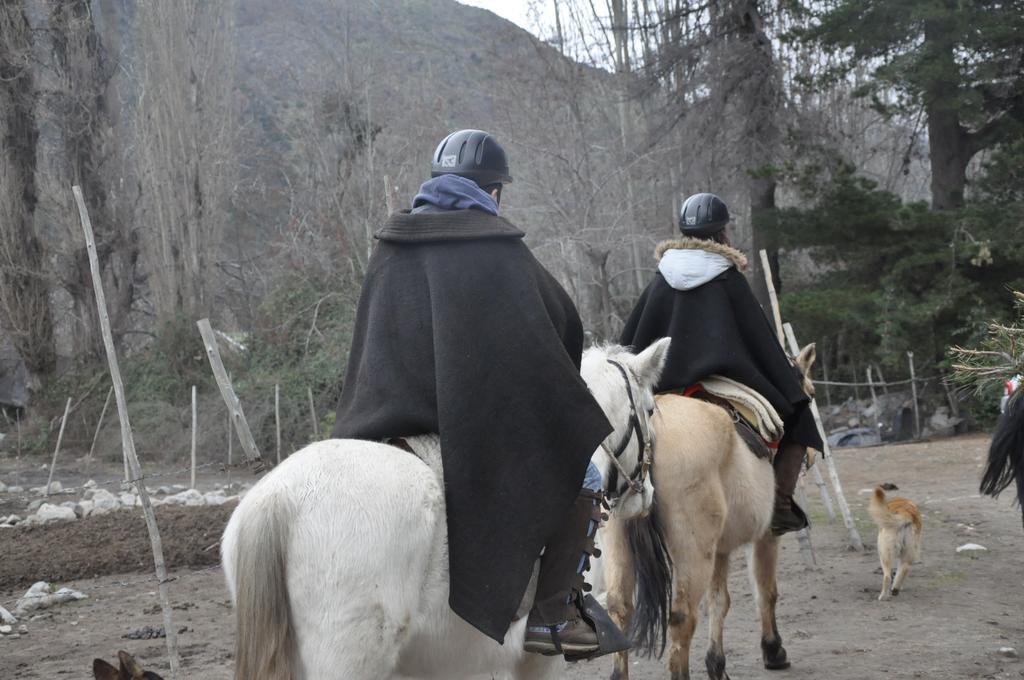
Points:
(787, 464)
(561, 620)
(788, 516)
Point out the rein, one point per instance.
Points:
(634, 481)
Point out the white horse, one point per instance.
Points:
(337, 560)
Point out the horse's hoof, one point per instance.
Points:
(773, 654)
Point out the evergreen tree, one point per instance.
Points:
(961, 61)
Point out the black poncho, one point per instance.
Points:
(461, 332)
(719, 328)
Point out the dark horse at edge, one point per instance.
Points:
(1006, 454)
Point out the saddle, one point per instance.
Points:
(757, 422)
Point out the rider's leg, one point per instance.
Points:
(555, 624)
(788, 461)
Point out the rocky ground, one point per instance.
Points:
(959, 616)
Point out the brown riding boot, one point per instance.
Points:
(557, 623)
(788, 516)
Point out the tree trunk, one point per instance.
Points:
(24, 289)
(89, 115)
(949, 146)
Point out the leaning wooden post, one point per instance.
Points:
(128, 443)
(17, 422)
(772, 296)
(60, 438)
(195, 422)
(826, 497)
(803, 536)
(913, 394)
(874, 405)
(99, 423)
(231, 445)
(312, 414)
(277, 420)
(824, 373)
(830, 463)
(227, 392)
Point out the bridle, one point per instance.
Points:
(639, 426)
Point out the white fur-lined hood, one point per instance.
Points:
(689, 263)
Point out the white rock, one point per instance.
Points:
(3, 488)
(103, 501)
(35, 505)
(48, 512)
(215, 498)
(128, 499)
(15, 489)
(91, 484)
(189, 497)
(87, 507)
(39, 596)
(1008, 652)
(970, 547)
(23, 629)
(55, 487)
(6, 630)
(11, 520)
(7, 617)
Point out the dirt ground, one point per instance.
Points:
(954, 615)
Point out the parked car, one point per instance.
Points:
(854, 436)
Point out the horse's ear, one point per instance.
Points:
(806, 358)
(129, 667)
(648, 364)
(101, 670)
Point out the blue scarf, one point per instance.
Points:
(452, 192)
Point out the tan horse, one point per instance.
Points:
(712, 495)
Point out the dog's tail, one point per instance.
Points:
(884, 517)
(1006, 454)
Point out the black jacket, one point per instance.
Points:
(719, 328)
(461, 332)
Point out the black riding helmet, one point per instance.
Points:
(473, 154)
(703, 215)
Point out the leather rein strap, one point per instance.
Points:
(635, 481)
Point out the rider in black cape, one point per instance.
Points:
(461, 332)
(700, 299)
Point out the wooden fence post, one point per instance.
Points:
(913, 394)
(874, 406)
(195, 423)
(227, 393)
(231, 446)
(60, 438)
(312, 414)
(830, 463)
(128, 442)
(803, 536)
(826, 497)
(99, 423)
(277, 420)
(766, 267)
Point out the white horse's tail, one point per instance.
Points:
(264, 640)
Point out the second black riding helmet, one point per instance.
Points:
(703, 215)
(473, 154)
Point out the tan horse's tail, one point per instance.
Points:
(264, 637)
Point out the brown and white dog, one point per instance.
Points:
(899, 538)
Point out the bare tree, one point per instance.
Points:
(86, 106)
(185, 129)
(24, 288)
